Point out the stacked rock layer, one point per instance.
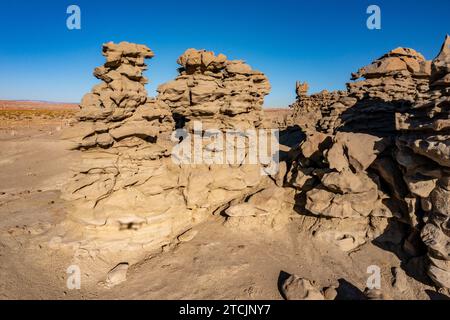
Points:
(330, 172)
(126, 194)
(131, 191)
(391, 84)
(218, 105)
(320, 111)
(424, 153)
(387, 158)
(223, 94)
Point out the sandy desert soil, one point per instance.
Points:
(222, 262)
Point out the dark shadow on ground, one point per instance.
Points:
(347, 291)
(436, 295)
(282, 277)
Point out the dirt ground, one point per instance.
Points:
(221, 262)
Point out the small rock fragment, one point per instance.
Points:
(117, 275)
(296, 288)
(188, 235)
(400, 280)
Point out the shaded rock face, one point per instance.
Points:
(319, 111)
(424, 153)
(387, 160)
(223, 94)
(128, 193)
(331, 176)
(390, 84)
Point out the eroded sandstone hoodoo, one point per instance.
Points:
(126, 194)
(374, 163)
(132, 189)
(390, 84)
(399, 75)
(222, 100)
(221, 93)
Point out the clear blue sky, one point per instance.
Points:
(320, 41)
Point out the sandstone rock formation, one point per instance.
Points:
(126, 194)
(423, 151)
(375, 161)
(211, 96)
(385, 158)
(330, 173)
(319, 111)
(133, 190)
(223, 94)
(391, 84)
(400, 74)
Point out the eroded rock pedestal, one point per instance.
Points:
(134, 189)
(126, 194)
(218, 103)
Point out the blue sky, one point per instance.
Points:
(319, 41)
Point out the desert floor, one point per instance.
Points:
(221, 262)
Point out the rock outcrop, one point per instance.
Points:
(319, 111)
(221, 93)
(399, 75)
(126, 194)
(375, 163)
(142, 185)
(330, 174)
(391, 84)
(386, 160)
(221, 100)
(424, 153)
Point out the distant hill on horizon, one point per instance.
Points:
(43, 104)
(35, 104)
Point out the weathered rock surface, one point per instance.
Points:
(296, 288)
(318, 111)
(130, 193)
(213, 93)
(126, 193)
(375, 161)
(424, 154)
(387, 157)
(331, 178)
(223, 94)
(117, 275)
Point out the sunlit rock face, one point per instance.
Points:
(128, 193)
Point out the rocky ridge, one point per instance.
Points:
(384, 161)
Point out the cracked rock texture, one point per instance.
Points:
(128, 194)
(424, 141)
(385, 159)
